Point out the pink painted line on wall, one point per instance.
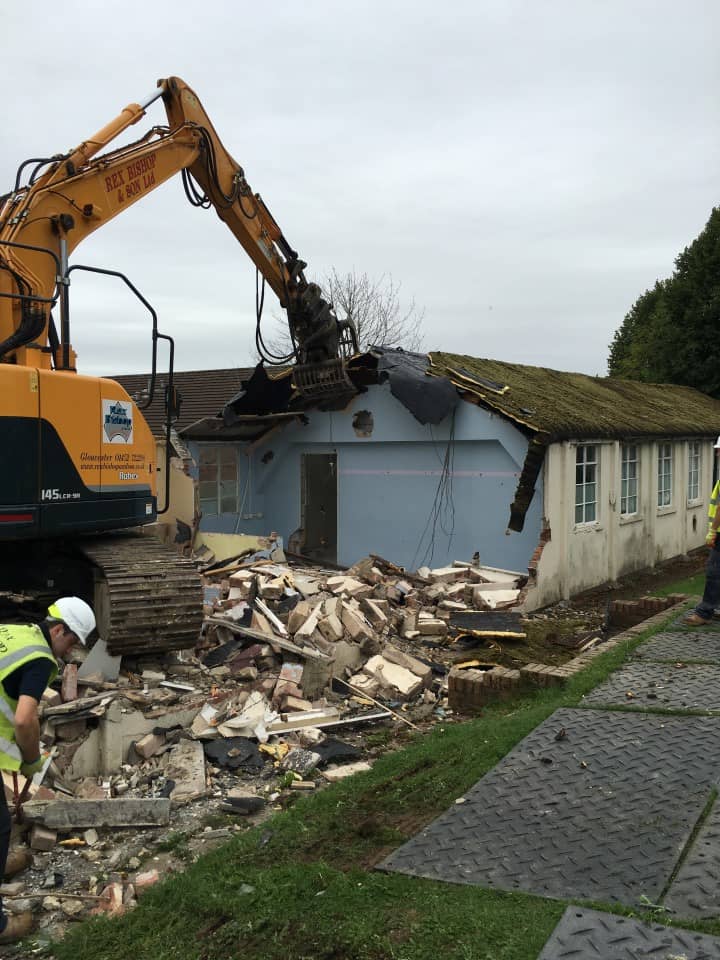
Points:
(426, 473)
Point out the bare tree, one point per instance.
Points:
(375, 309)
(373, 306)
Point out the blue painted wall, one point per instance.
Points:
(388, 485)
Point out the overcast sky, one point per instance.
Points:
(524, 170)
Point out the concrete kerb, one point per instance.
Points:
(469, 690)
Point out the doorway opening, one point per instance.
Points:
(319, 506)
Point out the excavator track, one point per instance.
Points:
(147, 598)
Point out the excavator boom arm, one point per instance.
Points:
(42, 223)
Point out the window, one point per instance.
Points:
(218, 480)
(694, 470)
(586, 468)
(665, 474)
(629, 480)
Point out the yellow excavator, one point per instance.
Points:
(78, 456)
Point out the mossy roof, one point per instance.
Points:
(565, 405)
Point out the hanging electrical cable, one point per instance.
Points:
(442, 512)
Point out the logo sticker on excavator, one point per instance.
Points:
(117, 422)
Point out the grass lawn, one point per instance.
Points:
(302, 885)
(691, 586)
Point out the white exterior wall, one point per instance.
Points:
(579, 557)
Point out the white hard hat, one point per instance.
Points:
(75, 614)
(716, 445)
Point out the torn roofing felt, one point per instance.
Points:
(429, 399)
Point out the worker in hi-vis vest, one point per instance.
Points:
(703, 612)
(28, 664)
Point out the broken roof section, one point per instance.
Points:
(547, 405)
(429, 400)
(564, 406)
(203, 392)
(551, 405)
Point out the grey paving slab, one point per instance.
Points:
(695, 891)
(602, 813)
(591, 935)
(651, 685)
(673, 647)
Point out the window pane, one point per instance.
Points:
(228, 471)
(578, 514)
(207, 490)
(208, 507)
(208, 471)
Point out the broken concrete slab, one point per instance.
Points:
(349, 586)
(41, 838)
(364, 685)
(149, 745)
(391, 676)
(333, 774)
(494, 599)
(106, 749)
(374, 613)
(185, 764)
(80, 814)
(402, 659)
(331, 628)
(448, 574)
(348, 657)
(494, 575)
(355, 623)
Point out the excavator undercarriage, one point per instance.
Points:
(146, 598)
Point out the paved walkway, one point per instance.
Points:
(611, 801)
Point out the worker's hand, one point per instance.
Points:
(710, 538)
(30, 769)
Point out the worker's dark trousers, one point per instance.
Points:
(5, 826)
(711, 595)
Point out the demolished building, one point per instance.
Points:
(578, 479)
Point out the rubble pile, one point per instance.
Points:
(290, 658)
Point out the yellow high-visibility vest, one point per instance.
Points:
(713, 505)
(19, 644)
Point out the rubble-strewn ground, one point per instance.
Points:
(392, 685)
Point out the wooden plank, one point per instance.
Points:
(119, 812)
(266, 638)
(77, 706)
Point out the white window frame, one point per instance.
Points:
(629, 479)
(664, 476)
(694, 491)
(587, 479)
(222, 460)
